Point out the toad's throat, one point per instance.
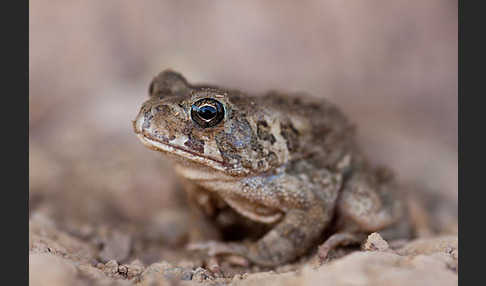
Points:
(159, 145)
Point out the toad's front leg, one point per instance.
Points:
(290, 238)
(307, 206)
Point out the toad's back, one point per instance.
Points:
(309, 127)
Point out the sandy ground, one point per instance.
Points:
(60, 258)
(105, 210)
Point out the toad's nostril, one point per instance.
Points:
(163, 109)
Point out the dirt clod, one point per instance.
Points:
(375, 242)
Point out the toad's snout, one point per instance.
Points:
(155, 117)
(142, 121)
(137, 124)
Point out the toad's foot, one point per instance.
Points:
(290, 238)
(234, 252)
(338, 239)
(214, 248)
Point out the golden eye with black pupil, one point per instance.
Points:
(207, 112)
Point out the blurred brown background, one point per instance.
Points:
(391, 65)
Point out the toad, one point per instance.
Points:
(286, 165)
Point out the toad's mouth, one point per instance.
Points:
(159, 145)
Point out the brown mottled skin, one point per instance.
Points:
(279, 160)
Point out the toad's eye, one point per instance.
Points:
(207, 112)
